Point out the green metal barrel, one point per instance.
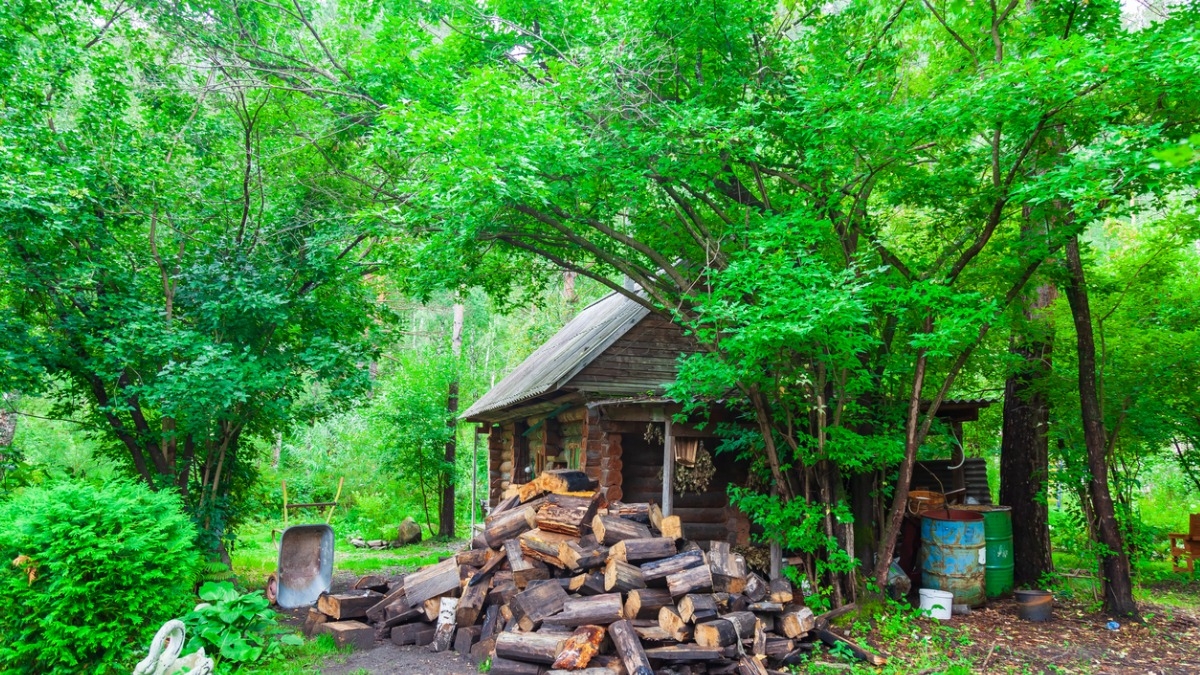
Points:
(997, 532)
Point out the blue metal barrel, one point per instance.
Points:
(953, 554)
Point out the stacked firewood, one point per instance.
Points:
(561, 581)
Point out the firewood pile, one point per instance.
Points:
(559, 581)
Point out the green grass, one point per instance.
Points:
(302, 659)
(255, 556)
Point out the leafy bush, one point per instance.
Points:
(95, 571)
(234, 627)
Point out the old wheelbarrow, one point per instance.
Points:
(305, 564)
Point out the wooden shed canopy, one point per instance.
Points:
(553, 366)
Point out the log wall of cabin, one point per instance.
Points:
(500, 460)
(602, 453)
(705, 516)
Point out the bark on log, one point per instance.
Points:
(597, 609)
(544, 546)
(697, 608)
(726, 630)
(499, 529)
(611, 529)
(642, 550)
(578, 650)
(622, 577)
(660, 569)
(629, 648)
(530, 647)
(674, 625)
(348, 605)
(693, 580)
(644, 603)
(431, 582)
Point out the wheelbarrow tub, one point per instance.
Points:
(305, 565)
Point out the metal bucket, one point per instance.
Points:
(997, 531)
(1035, 605)
(953, 554)
(305, 565)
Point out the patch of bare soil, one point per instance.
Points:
(388, 659)
(1078, 641)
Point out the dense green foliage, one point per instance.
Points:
(233, 627)
(90, 574)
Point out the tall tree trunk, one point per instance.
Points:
(1114, 565)
(8, 420)
(1024, 444)
(446, 517)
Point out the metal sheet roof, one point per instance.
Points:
(552, 365)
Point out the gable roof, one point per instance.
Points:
(552, 365)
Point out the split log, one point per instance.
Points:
(656, 517)
(483, 649)
(344, 633)
(781, 591)
(543, 546)
(696, 608)
(494, 563)
(597, 609)
(622, 577)
(644, 603)
(431, 608)
(661, 569)
(530, 647)
(797, 623)
(766, 606)
(756, 588)
(611, 529)
(569, 515)
(674, 625)
(413, 634)
(577, 651)
(491, 622)
(749, 665)
(578, 557)
(641, 550)
(727, 630)
(539, 600)
(348, 605)
(778, 648)
(728, 568)
(693, 580)
(653, 633)
(473, 557)
(431, 582)
(443, 636)
(315, 618)
(375, 613)
(501, 528)
(671, 527)
(636, 511)
(524, 570)
(629, 648)
(471, 604)
(464, 639)
(682, 653)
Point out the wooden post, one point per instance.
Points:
(668, 468)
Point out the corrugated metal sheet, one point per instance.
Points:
(593, 330)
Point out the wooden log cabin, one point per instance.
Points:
(593, 398)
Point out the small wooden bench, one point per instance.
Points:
(1185, 548)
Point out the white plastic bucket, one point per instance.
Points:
(943, 599)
